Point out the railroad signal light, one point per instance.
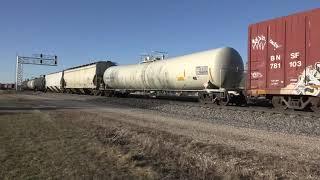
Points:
(36, 59)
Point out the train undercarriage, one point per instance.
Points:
(223, 97)
(296, 102)
(207, 96)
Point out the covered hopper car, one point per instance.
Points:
(54, 82)
(86, 79)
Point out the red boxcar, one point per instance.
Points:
(284, 60)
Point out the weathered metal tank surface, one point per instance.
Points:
(30, 84)
(54, 82)
(217, 68)
(37, 84)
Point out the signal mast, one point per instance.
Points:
(36, 59)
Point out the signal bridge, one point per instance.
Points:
(36, 59)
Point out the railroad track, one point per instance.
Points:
(254, 108)
(191, 102)
(263, 118)
(250, 108)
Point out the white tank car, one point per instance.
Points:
(37, 84)
(30, 84)
(212, 69)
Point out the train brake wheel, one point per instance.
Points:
(277, 102)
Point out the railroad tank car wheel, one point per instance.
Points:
(224, 101)
(278, 103)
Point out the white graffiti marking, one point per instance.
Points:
(259, 42)
(308, 82)
(317, 66)
(274, 82)
(256, 75)
(274, 44)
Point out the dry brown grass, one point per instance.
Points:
(70, 144)
(39, 146)
(180, 157)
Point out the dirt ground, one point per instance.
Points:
(76, 137)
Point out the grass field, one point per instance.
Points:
(38, 141)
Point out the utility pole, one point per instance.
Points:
(37, 59)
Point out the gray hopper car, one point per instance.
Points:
(85, 79)
(54, 82)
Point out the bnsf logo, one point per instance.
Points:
(296, 62)
(295, 55)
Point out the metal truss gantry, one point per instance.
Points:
(37, 59)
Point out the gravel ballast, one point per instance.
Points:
(238, 117)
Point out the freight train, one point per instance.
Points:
(213, 75)
(7, 86)
(283, 68)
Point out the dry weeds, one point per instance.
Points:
(70, 144)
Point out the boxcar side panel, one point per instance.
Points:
(276, 54)
(312, 71)
(258, 55)
(295, 49)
